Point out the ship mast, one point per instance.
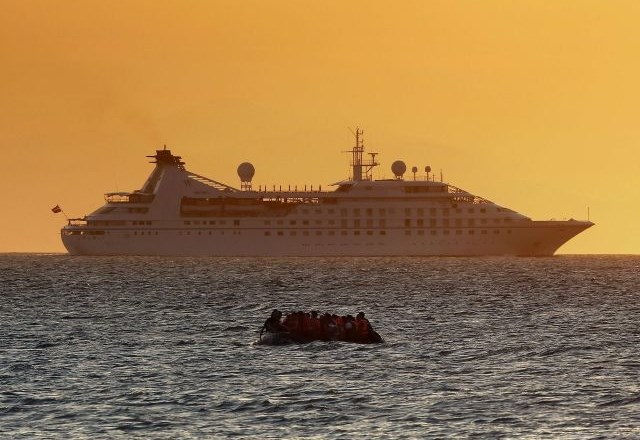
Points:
(361, 170)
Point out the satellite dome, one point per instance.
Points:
(398, 168)
(246, 171)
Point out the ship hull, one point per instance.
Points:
(536, 238)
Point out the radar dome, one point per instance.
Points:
(246, 171)
(398, 168)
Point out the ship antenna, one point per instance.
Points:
(361, 169)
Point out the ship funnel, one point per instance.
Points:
(246, 172)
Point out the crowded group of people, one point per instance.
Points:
(312, 326)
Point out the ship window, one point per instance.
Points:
(356, 223)
(212, 222)
(432, 222)
(279, 222)
(458, 222)
(209, 233)
(420, 222)
(236, 222)
(332, 232)
(496, 231)
(196, 222)
(280, 233)
(135, 233)
(508, 231)
(369, 232)
(148, 222)
(187, 222)
(318, 222)
(471, 232)
(199, 233)
(332, 222)
(292, 222)
(369, 212)
(407, 222)
(383, 232)
(267, 232)
(434, 232)
(356, 232)
(267, 222)
(188, 232)
(305, 222)
(356, 211)
(445, 232)
(382, 222)
(445, 222)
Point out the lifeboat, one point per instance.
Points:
(304, 327)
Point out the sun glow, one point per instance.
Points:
(530, 104)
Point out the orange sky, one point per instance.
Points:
(531, 104)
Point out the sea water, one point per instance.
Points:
(474, 347)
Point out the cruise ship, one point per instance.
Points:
(180, 213)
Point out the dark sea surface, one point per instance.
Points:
(475, 348)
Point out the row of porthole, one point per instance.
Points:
(369, 232)
(330, 233)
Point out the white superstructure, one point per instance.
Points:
(177, 212)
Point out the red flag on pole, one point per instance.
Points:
(56, 209)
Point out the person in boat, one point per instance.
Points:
(349, 329)
(328, 327)
(314, 330)
(273, 324)
(365, 333)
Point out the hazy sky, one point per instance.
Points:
(531, 104)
